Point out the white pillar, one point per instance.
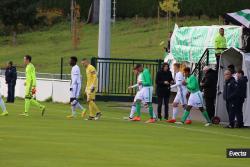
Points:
(104, 42)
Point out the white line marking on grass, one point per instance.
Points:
(182, 127)
(196, 130)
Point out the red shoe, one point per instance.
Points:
(171, 120)
(152, 120)
(136, 119)
(188, 122)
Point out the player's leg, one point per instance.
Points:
(184, 105)
(186, 114)
(34, 102)
(206, 116)
(201, 105)
(28, 96)
(175, 108)
(148, 99)
(3, 107)
(73, 103)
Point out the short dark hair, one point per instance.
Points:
(137, 66)
(10, 63)
(187, 69)
(231, 67)
(74, 58)
(28, 57)
(241, 72)
(221, 28)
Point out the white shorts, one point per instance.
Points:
(196, 100)
(75, 91)
(147, 93)
(181, 97)
(138, 96)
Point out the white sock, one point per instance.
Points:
(73, 110)
(175, 112)
(2, 105)
(132, 112)
(78, 105)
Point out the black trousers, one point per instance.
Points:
(235, 109)
(162, 99)
(11, 92)
(217, 61)
(210, 106)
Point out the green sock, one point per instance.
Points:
(185, 115)
(150, 110)
(27, 105)
(205, 114)
(35, 103)
(138, 109)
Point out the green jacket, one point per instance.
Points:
(192, 84)
(146, 78)
(220, 42)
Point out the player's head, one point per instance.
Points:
(187, 72)
(136, 72)
(221, 31)
(10, 64)
(240, 74)
(27, 59)
(177, 67)
(85, 62)
(231, 67)
(138, 68)
(227, 75)
(72, 61)
(165, 67)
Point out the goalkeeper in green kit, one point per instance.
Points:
(30, 87)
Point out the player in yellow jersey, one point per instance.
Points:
(91, 88)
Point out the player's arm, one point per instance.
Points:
(94, 76)
(33, 76)
(133, 86)
(179, 80)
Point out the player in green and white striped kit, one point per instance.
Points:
(195, 98)
(146, 93)
(138, 97)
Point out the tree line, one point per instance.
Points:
(149, 8)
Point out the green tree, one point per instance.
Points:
(18, 12)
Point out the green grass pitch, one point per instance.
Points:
(54, 141)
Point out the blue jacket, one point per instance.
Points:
(242, 88)
(230, 92)
(11, 75)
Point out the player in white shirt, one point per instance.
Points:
(2, 105)
(75, 87)
(181, 96)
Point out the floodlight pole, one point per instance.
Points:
(104, 43)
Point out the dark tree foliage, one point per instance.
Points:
(18, 12)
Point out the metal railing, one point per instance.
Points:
(204, 61)
(115, 75)
(42, 75)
